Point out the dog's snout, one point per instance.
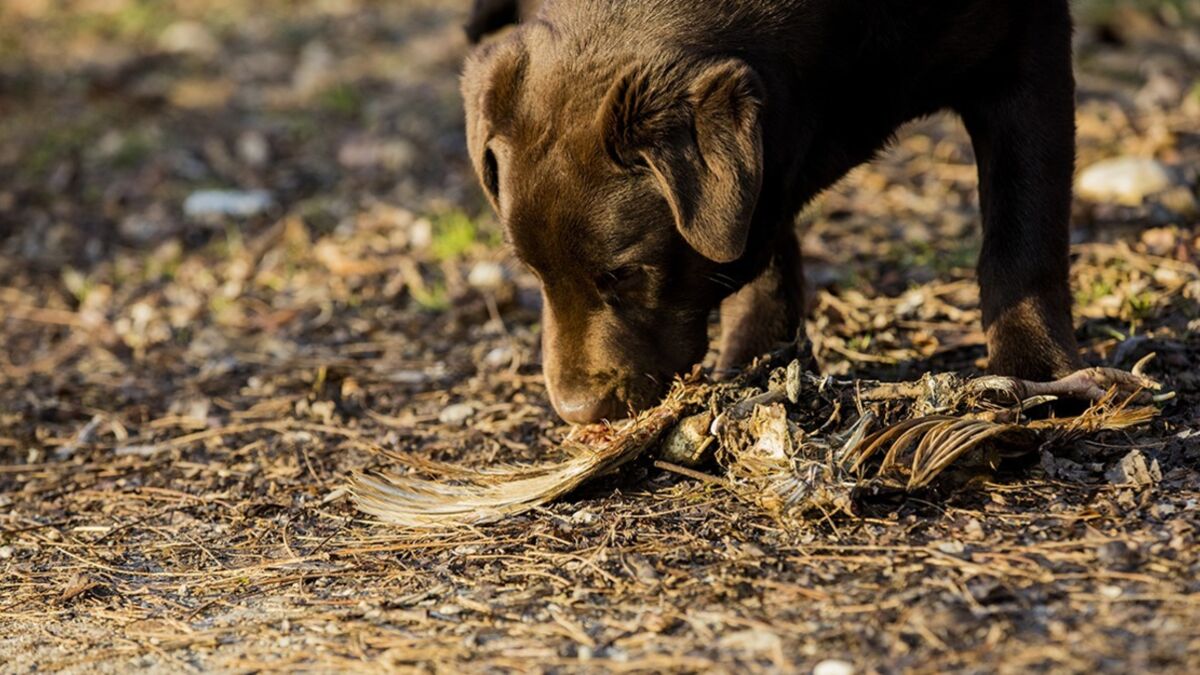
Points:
(586, 407)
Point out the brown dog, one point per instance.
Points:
(647, 159)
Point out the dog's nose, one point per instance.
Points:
(585, 408)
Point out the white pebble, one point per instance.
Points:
(420, 235)
(1123, 180)
(254, 148)
(834, 667)
(237, 203)
(583, 517)
(499, 357)
(486, 276)
(456, 413)
(188, 37)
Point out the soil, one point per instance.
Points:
(184, 397)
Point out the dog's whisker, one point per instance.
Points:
(725, 283)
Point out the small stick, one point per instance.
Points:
(691, 473)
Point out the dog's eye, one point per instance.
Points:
(491, 174)
(613, 283)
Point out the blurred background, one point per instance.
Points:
(114, 112)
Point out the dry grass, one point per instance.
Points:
(183, 403)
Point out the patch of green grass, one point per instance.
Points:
(454, 233)
(57, 144)
(141, 20)
(320, 214)
(163, 263)
(342, 99)
(940, 260)
(860, 343)
(1141, 306)
(135, 21)
(300, 127)
(433, 298)
(1098, 289)
(78, 284)
(135, 148)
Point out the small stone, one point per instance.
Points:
(254, 148)
(498, 357)
(642, 569)
(195, 409)
(315, 69)
(487, 276)
(456, 413)
(752, 550)
(973, 529)
(757, 641)
(143, 227)
(1161, 92)
(188, 37)
(834, 667)
(371, 153)
(420, 235)
(955, 548)
(6, 552)
(583, 517)
(1160, 241)
(1180, 200)
(1133, 469)
(235, 203)
(1123, 180)
(1119, 555)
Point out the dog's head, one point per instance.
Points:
(624, 186)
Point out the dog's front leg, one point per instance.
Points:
(1023, 129)
(765, 312)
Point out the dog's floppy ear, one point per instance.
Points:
(703, 143)
(491, 86)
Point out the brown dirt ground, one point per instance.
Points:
(182, 401)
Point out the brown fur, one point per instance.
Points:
(647, 160)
